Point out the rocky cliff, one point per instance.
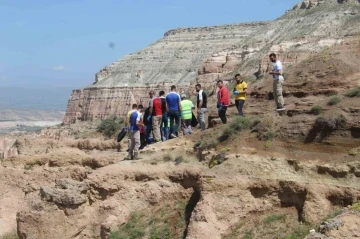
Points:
(204, 54)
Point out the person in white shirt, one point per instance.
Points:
(278, 81)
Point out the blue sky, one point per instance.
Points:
(63, 43)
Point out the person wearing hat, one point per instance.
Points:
(186, 115)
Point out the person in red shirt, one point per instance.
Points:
(223, 101)
(156, 112)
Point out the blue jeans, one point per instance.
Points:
(174, 121)
(239, 105)
(222, 114)
(164, 128)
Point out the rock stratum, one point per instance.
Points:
(204, 54)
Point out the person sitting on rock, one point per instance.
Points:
(278, 81)
(223, 101)
(135, 124)
(240, 93)
(173, 101)
(186, 116)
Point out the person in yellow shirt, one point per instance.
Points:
(240, 93)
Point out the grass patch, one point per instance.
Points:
(238, 124)
(248, 235)
(299, 233)
(11, 235)
(273, 218)
(353, 92)
(334, 100)
(316, 110)
(110, 126)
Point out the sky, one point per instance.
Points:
(63, 43)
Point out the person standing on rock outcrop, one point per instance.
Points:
(223, 101)
(164, 128)
(173, 101)
(156, 113)
(187, 106)
(135, 124)
(278, 81)
(240, 93)
(201, 106)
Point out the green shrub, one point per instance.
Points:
(333, 100)
(316, 110)
(353, 92)
(235, 126)
(110, 126)
(353, 152)
(133, 229)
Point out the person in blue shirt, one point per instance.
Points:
(173, 101)
(135, 123)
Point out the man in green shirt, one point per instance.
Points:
(186, 114)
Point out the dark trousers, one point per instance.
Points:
(222, 114)
(164, 128)
(239, 106)
(148, 131)
(174, 121)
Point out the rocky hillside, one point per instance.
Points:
(205, 54)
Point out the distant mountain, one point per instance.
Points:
(32, 98)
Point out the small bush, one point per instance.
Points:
(353, 152)
(316, 110)
(353, 92)
(109, 126)
(356, 206)
(236, 125)
(333, 100)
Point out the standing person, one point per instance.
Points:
(201, 106)
(240, 93)
(148, 118)
(127, 123)
(174, 111)
(186, 115)
(223, 101)
(156, 113)
(135, 124)
(164, 127)
(278, 81)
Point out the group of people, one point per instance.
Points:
(164, 114)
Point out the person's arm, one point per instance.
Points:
(200, 99)
(138, 121)
(245, 88)
(180, 108)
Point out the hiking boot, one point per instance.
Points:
(172, 136)
(128, 158)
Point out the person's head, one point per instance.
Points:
(220, 83)
(183, 96)
(238, 78)
(134, 106)
(198, 87)
(151, 94)
(161, 93)
(173, 88)
(140, 108)
(273, 57)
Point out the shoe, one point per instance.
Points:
(136, 156)
(128, 158)
(280, 108)
(172, 136)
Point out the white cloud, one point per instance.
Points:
(59, 68)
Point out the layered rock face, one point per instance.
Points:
(188, 55)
